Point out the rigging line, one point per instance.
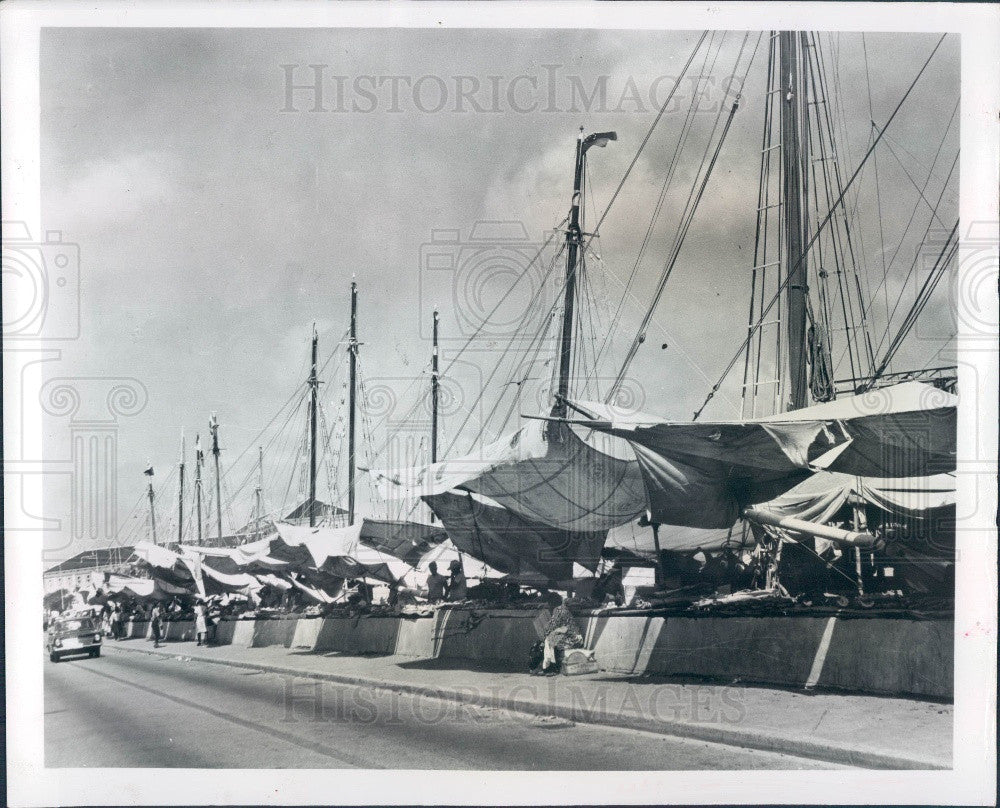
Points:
(948, 251)
(295, 466)
(267, 446)
(496, 367)
(913, 182)
(762, 187)
(537, 344)
(871, 117)
(538, 338)
(679, 239)
(836, 240)
(913, 264)
(916, 205)
(649, 134)
(822, 224)
(668, 178)
(274, 418)
(506, 294)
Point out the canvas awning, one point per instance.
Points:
(703, 474)
(511, 544)
(544, 472)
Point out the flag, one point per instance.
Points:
(199, 455)
(149, 470)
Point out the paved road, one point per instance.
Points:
(130, 709)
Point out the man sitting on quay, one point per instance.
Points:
(561, 633)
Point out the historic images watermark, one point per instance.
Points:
(41, 310)
(319, 88)
(41, 283)
(311, 700)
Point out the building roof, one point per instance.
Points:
(88, 559)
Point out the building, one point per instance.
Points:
(85, 571)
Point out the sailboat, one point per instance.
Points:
(544, 497)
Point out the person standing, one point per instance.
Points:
(200, 623)
(436, 583)
(457, 587)
(156, 624)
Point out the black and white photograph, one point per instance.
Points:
(557, 403)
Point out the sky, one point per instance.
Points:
(221, 208)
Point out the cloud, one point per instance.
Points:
(107, 193)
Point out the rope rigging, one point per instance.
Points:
(822, 225)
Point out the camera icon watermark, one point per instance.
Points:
(494, 281)
(41, 282)
(408, 418)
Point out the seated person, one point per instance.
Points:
(561, 632)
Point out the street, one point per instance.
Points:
(135, 710)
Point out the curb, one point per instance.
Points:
(715, 733)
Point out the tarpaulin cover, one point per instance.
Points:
(703, 474)
(167, 567)
(145, 587)
(512, 544)
(820, 496)
(232, 560)
(329, 549)
(407, 541)
(545, 473)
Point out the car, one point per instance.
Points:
(73, 635)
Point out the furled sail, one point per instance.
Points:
(703, 474)
(405, 540)
(545, 473)
(512, 544)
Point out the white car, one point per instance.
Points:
(73, 635)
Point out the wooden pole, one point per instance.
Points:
(199, 461)
(260, 489)
(352, 348)
(180, 496)
(794, 157)
(152, 511)
(214, 425)
(569, 297)
(314, 386)
(435, 392)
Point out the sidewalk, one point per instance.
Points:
(862, 731)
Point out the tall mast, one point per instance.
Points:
(573, 235)
(214, 426)
(152, 505)
(199, 461)
(352, 348)
(313, 388)
(260, 490)
(180, 495)
(435, 390)
(794, 159)
(569, 298)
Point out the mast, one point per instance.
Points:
(259, 492)
(313, 388)
(352, 347)
(199, 461)
(180, 495)
(152, 506)
(572, 249)
(214, 426)
(435, 390)
(794, 159)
